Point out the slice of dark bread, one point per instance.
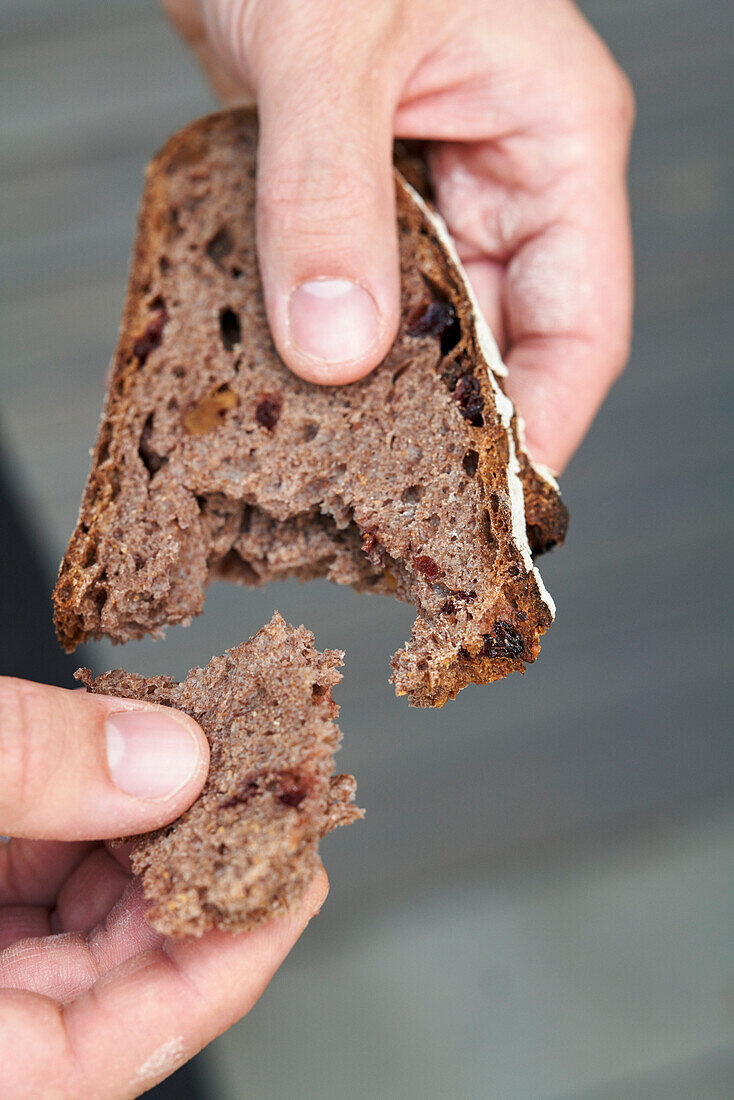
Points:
(248, 846)
(213, 460)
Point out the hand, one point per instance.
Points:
(93, 1002)
(528, 119)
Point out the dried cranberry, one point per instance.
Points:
(430, 320)
(505, 642)
(468, 396)
(268, 409)
(151, 337)
(426, 567)
(291, 789)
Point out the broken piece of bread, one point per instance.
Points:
(213, 460)
(247, 848)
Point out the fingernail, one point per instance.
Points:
(149, 753)
(334, 320)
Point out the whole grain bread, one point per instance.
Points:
(213, 460)
(248, 846)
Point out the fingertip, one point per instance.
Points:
(156, 754)
(335, 330)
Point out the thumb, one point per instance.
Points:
(87, 767)
(326, 233)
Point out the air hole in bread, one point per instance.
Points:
(219, 246)
(89, 556)
(401, 371)
(175, 229)
(148, 456)
(412, 494)
(470, 462)
(230, 329)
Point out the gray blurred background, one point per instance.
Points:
(540, 902)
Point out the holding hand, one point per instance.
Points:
(93, 1002)
(528, 119)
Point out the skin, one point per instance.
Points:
(527, 120)
(93, 1002)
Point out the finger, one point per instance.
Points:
(186, 16)
(32, 871)
(326, 231)
(146, 1017)
(77, 766)
(66, 964)
(60, 967)
(21, 922)
(568, 309)
(487, 278)
(562, 235)
(89, 893)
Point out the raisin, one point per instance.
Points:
(431, 319)
(151, 337)
(468, 396)
(267, 411)
(455, 370)
(448, 608)
(505, 642)
(426, 566)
